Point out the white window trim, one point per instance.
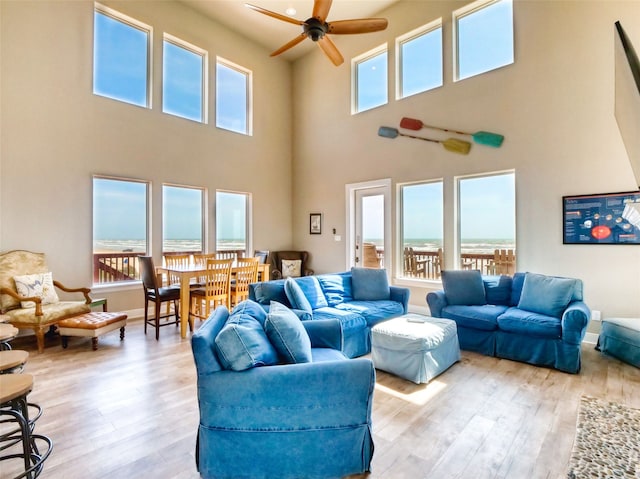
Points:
(355, 61)
(132, 22)
(205, 215)
(166, 37)
(407, 37)
(463, 12)
(249, 76)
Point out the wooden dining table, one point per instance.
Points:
(185, 274)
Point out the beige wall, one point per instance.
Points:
(55, 134)
(554, 106)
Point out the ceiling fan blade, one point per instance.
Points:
(330, 49)
(321, 9)
(290, 44)
(269, 13)
(363, 25)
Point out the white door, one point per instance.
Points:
(369, 216)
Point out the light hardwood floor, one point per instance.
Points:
(129, 410)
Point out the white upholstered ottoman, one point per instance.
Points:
(415, 347)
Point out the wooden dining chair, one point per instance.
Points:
(215, 291)
(200, 261)
(176, 260)
(245, 273)
(155, 293)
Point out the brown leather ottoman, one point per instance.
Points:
(92, 325)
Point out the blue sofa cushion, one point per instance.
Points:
(243, 344)
(296, 296)
(369, 284)
(497, 289)
(374, 311)
(336, 287)
(348, 319)
(484, 318)
(310, 286)
(270, 291)
(516, 288)
(463, 287)
(546, 295)
(287, 334)
(253, 309)
(527, 323)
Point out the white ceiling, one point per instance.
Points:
(273, 33)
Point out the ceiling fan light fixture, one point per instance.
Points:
(291, 11)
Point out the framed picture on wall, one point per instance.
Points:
(611, 218)
(315, 223)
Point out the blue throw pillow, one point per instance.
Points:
(268, 291)
(336, 287)
(251, 308)
(243, 344)
(287, 334)
(312, 291)
(547, 295)
(369, 284)
(296, 296)
(463, 287)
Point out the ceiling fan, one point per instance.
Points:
(316, 28)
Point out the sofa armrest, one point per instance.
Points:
(84, 291)
(401, 295)
(574, 322)
(436, 301)
(308, 272)
(276, 273)
(37, 300)
(318, 395)
(324, 333)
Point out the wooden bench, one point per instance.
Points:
(92, 325)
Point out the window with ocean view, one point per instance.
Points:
(421, 227)
(121, 57)
(183, 219)
(487, 213)
(120, 228)
(232, 225)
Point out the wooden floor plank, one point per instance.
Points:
(129, 410)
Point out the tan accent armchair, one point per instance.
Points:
(41, 316)
(278, 256)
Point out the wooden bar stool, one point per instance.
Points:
(12, 361)
(14, 408)
(7, 333)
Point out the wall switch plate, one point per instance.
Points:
(337, 238)
(596, 315)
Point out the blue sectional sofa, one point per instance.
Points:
(531, 317)
(360, 299)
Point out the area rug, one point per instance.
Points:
(607, 443)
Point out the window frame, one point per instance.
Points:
(248, 219)
(204, 55)
(355, 62)
(133, 23)
(399, 271)
(407, 38)
(249, 94)
(203, 204)
(466, 11)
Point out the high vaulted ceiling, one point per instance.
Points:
(273, 33)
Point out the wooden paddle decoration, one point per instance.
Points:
(481, 137)
(451, 144)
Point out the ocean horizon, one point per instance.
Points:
(169, 246)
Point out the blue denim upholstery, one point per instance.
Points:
(620, 337)
(495, 329)
(336, 290)
(310, 420)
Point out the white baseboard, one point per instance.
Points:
(590, 338)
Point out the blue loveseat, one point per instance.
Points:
(360, 299)
(531, 317)
(259, 418)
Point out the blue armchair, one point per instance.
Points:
(309, 420)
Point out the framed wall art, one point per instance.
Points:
(315, 223)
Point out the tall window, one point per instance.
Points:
(184, 79)
(483, 37)
(232, 221)
(233, 97)
(121, 57)
(182, 219)
(421, 228)
(419, 60)
(369, 78)
(487, 213)
(120, 228)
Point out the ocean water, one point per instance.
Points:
(468, 245)
(139, 246)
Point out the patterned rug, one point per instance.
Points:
(607, 443)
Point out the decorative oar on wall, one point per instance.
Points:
(451, 144)
(481, 137)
